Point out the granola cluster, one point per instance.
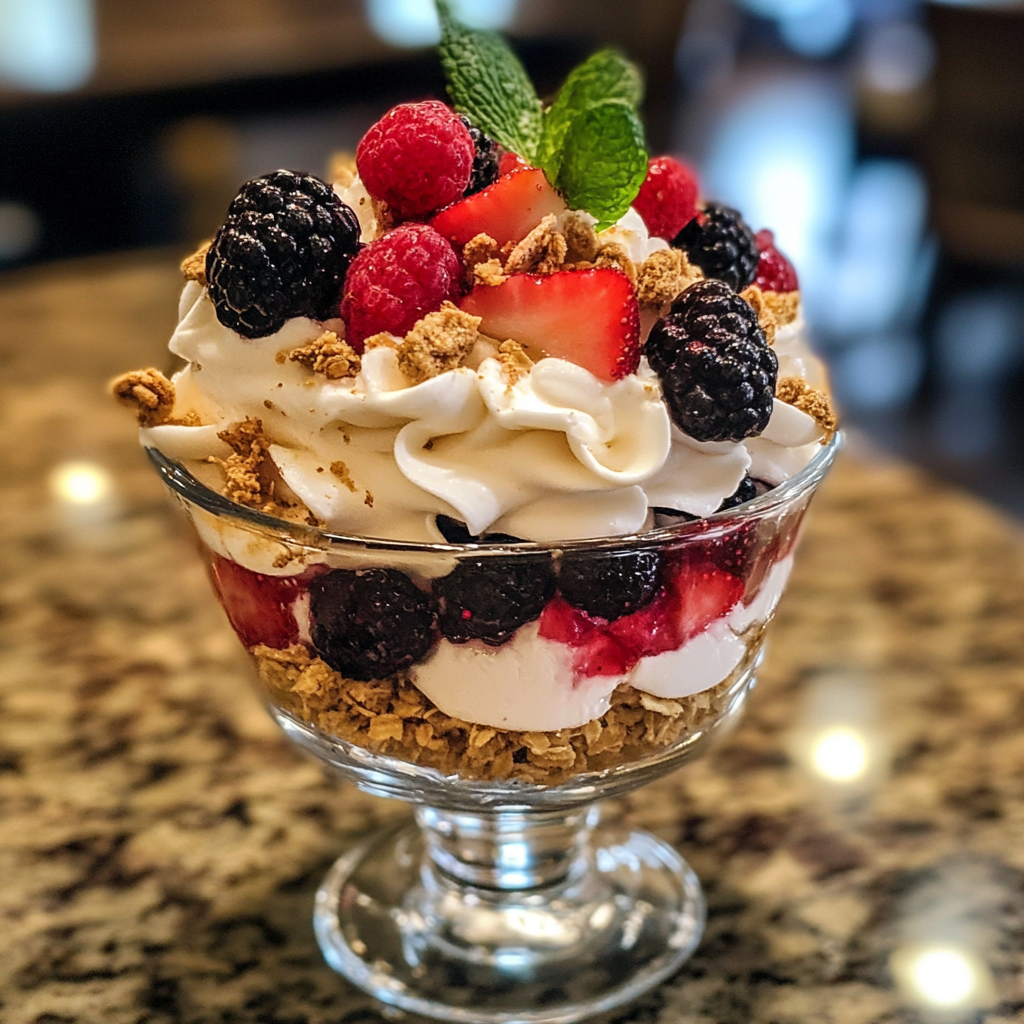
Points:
(392, 717)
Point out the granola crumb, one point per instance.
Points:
(663, 276)
(515, 363)
(489, 274)
(194, 266)
(480, 255)
(796, 392)
(542, 251)
(383, 215)
(784, 306)
(341, 168)
(392, 717)
(381, 340)
(765, 318)
(148, 392)
(328, 355)
(340, 470)
(580, 238)
(247, 470)
(614, 255)
(368, 500)
(439, 342)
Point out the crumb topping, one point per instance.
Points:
(784, 306)
(614, 255)
(439, 342)
(328, 355)
(580, 238)
(148, 392)
(340, 470)
(515, 363)
(247, 470)
(796, 392)
(664, 275)
(489, 273)
(194, 266)
(382, 340)
(765, 317)
(542, 251)
(341, 168)
(393, 717)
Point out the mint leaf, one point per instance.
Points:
(488, 84)
(604, 161)
(606, 75)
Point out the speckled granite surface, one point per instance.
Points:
(160, 844)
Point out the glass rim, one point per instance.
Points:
(187, 486)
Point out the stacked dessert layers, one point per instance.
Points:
(471, 335)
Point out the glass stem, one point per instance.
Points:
(507, 850)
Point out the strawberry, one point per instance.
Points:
(588, 317)
(510, 162)
(508, 210)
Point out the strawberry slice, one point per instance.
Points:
(588, 317)
(508, 210)
(510, 162)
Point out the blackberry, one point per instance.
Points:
(719, 242)
(485, 159)
(456, 532)
(611, 585)
(747, 491)
(282, 252)
(490, 598)
(369, 623)
(717, 372)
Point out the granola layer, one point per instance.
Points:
(392, 717)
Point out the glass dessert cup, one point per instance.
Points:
(506, 899)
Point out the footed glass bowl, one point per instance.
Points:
(503, 689)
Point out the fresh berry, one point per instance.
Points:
(717, 372)
(694, 595)
(609, 585)
(369, 623)
(259, 606)
(456, 532)
(588, 317)
(747, 491)
(508, 210)
(485, 159)
(396, 280)
(282, 252)
(510, 162)
(489, 599)
(417, 158)
(774, 272)
(667, 199)
(730, 550)
(719, 242)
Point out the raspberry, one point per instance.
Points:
(717, 372)
(485, 159)
(774, 272)
(489, 599)
(282, 252)
(609, 585)
(369, 623)
(719, 242)
(398, 279)
(417, 158)
(667, 199)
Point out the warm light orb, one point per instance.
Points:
(943, 977)
(80, 483)
(840, 754)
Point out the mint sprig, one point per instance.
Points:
(488, 84)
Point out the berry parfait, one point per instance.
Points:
(497, 445)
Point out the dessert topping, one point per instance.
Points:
(796, 392)
(667, 199)
(194, 266)
(398, 279)
(247, 470)
(417, 158)
(282, 252)
(719, 242)
(515, 363)
(439, 342)
(615, 256)
(665, 274)
(717, 372)
(774, 272)
(609, 585)
(785, 306)
(370, 623)
(485, 159)
(328, 355)
(148, 392)
(759, 304)
(542, 251)
(588, 317)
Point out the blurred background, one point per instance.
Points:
(882, 140)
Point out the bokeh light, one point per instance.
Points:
(80, 483)
(840, 754)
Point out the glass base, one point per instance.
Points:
(626, 913)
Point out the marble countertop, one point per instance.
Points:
(160, 842)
